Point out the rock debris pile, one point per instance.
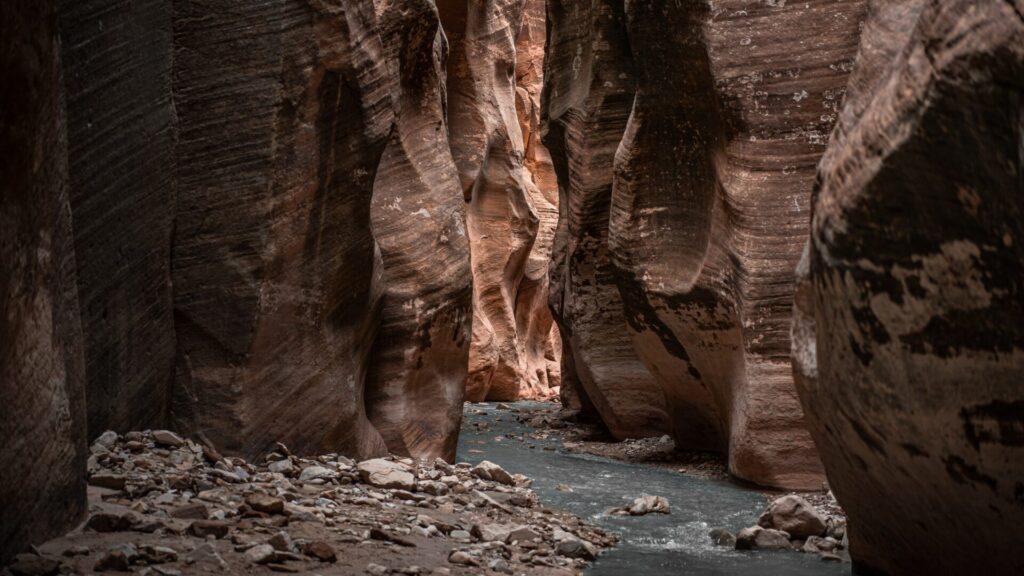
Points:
(162, 505)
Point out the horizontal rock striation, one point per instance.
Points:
(42, 372)
(909, 335)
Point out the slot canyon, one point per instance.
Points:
(441, 286)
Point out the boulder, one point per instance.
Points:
(794, 515)
(488, 470)
(386, 474)
(758, 538)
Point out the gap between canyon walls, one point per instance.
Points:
(495, 74)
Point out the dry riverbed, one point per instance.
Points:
(161, 505)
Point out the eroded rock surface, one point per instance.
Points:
(695, 236)
(42, 372)
(909, 340)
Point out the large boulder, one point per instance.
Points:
(794, 515)
(910, 332)
(42, 371)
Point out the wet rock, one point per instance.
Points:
(488, 470)
(386, 474)
(320, 550)
(644, 505)
(758, 538)
(795, 515)
(722, 537)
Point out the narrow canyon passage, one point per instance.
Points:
(268, 270)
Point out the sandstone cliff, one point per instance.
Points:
(909, 340)
(717, 118)
(42, 373)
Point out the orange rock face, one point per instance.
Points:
(494, 79)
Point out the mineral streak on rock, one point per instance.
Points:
(42, 370)
(910, 332)
(588, 95)
(117, 59)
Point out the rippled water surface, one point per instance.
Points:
(649, 545)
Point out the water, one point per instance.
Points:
(650, 545)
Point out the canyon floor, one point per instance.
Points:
(531, 495)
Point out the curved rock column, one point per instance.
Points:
(588, 96)
(42, 369)
(910, 337)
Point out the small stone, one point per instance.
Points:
(204, 528)
(491, 532)
(563, 488)
(32, 565)
(433, 488)
(462, 558)
(158, 554)
(316, 473)
(722, 537)
(191, 511)
(378, 534)
(830, 557)
(281, 466)
(107, 522)
(260, 554)
(205, 553)
(500, 565)
(459, 535)
(320, 550)
(522, 534)
(386, 474)
(760, 538)
(167, 438)
(281, 542)
(266, 504)
(105, 480)
(794, 515)
(649, 504)
(576, 548)
(117, 559)
(488, 470)
(376, 569)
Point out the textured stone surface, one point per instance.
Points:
(909, 339)
(117, 62)
(588, 95)
(712, 181)
(319, 246)
(42, 372)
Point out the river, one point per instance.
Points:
(650, 545)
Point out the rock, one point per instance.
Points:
(266, 504)
(158, 554)
(205, 553)
(491, 532)
(192, 511)
(758, 538)
(376, 569)
(167, 438)
(106, 440)
(722, 537)
(462, 558)
(32, 565)
(384, 536)
(281, 542)
(488, 470)
(499, 565)
(795, 515)
(459, 535)
(260, 554)
(522, 534)
(113, 561)
(320, 550)
(111, 481)
(281, 466)
(108, 522)
(645, 505)
(386, 474)
(204, 528)
(576, 548)
(830, 557)
(312, 473)
(432, 488)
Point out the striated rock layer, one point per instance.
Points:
(909, 339)
(318, 245)
(675, 271)
(42, 372)
(493, 82)
(121, 137)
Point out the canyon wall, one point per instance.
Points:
(42, 372)
(676, 268)
(259, 212)
(493, 78)
(909, 339)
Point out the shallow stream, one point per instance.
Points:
(650, 545)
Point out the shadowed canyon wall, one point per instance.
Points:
(908, 340)
(248, 228)
(680, 261)
(494, 76)
(42, 371)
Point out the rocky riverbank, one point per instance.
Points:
(162, 505)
